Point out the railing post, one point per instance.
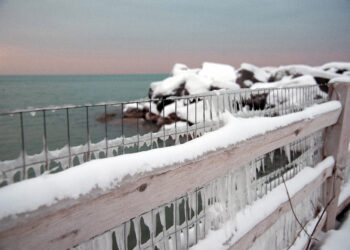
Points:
(337, 143)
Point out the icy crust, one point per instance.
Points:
(107, 173)
(251, 215)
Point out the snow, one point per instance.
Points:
(167, 86)
(218, 72)
(180, 69)
(196, 84)
(298, 81)
(249, 217)
(336, 65)
(307, 70)
(107, 173)
(259, 74)
(340, 79)
(226, 85)
(338, 239)
(344, 192)
(303, 238)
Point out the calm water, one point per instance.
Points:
(17, 92)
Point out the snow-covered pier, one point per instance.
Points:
(246, 179)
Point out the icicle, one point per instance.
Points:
(137, 230)
(147, 218)
(287, 152)
(263, 165)
(162, 216)
(119, 235)
(271, 154)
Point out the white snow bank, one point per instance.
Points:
(248, 218)
(107, 173)
(182, 69)
(306, 80)
(307, 70)
(338, 239)
(167, 86)
(196, 84)
(218, 72)
(336, 65)
(340, 79)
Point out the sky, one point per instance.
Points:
(150, 36)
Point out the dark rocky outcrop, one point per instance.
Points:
(244, 75)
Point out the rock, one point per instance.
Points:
(108, 117)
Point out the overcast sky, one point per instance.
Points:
(149, 36)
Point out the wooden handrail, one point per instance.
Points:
(71, 222)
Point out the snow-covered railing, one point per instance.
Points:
(224, 189)
(49, 140)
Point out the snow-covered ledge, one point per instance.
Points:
(56, 206)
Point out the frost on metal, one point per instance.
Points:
(196, 115)
(183, 222)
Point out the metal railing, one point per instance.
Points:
(181, 223)
(47, 140)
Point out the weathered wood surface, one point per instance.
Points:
(61, 227)
(337, 144)
(249, 238)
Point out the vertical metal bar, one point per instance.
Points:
(87, 133)
(138, 128)
(218, 106)
(24, 175)
(186, 219)
(123, 137)
(176, 124)
(68, 137)
(211, 108)
(196, 214)
(204, 113)
(195, 117)
(45, 142)
(106, 132)
(223, 103)
(187, 122)
(125, 236)
(150, 113)
(175, 222)
(152, 228)
(230, 103)
(163, 123)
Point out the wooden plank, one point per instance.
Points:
(246, 241)
(61, 226)
(343, 205)
(337, 144)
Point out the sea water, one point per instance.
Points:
(21, 92)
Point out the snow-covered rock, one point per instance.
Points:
(214, 76)
(248, 74)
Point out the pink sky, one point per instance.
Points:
(16, 60)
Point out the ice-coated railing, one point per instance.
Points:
(52, 139)
(181, 223)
